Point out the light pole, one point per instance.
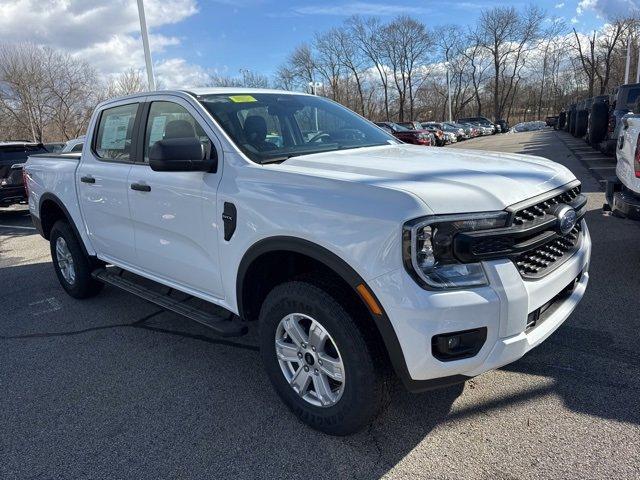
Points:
(314, 86)
(145, 45)
(447, 65)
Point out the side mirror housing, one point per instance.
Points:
(181, 155)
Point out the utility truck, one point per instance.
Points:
(356, 256)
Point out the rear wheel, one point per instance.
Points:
(72, 266)
(318, 359)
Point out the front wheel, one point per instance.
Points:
(318, 359)
(72, 266)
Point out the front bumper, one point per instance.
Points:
(503, 307)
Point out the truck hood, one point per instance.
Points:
(447, 180)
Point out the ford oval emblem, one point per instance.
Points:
(567, 219)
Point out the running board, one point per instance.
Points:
(224, 328)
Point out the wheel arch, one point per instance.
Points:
(50, 210)
(285, 245)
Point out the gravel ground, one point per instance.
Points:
(114, 388)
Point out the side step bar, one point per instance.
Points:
(219, 325)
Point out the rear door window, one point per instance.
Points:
(115, 132)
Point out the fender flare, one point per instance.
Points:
(349, 275)
(38, 221)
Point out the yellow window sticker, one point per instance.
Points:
(242, 98)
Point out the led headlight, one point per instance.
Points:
(427, 249)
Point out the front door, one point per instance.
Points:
(174, 213)
(102, 184)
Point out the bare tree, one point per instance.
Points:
(507, 35)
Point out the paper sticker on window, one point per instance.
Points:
(242, 98)
(115, 132)
(157, 129)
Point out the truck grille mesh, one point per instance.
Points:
(541, 260)
(539, 210)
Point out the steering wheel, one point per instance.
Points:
(318, 137)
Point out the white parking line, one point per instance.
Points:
(18, 227)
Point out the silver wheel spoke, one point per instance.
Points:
(317, 336)
(295, 332)
(300, 381)
(310, 360)
(323, 390)
(331, 367)
(65, 260)
(286, 352)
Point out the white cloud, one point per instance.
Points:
(105, 33)
(177, 73)
(574, 20)
(559, 5)
(609, 9)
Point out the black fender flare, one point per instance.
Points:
(349, 275)
(38, 221)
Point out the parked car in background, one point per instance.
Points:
(74, 145)
(13, 155)
(457, 130)
(482, 121)
(551, 121)
(417, 126)
(438, 132)
(623, 192)
(54, 147)
(474, 130)
(354, 255)
(529, 126)
(406, 135)
(504, 125)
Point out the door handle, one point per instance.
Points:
(88, 180)
(140, 187)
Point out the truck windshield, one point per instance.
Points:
(271, 127)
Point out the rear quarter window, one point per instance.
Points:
(115, 131)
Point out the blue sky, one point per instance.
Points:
(258, 34)
(191, 39)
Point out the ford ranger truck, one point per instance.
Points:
(356, 256)
(623, 191)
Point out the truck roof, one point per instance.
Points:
(199, 92)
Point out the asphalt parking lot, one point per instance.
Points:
(114, 387)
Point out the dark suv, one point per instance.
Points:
(12, 156)
(626, 98)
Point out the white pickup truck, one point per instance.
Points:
(356, 255)
(623, 192)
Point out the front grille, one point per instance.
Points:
(541, 260)
(540, 209)
(531, 239)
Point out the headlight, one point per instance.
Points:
(427, 249)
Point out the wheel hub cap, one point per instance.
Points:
(310, 360)
(65, 261)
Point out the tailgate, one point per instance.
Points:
(625, 154)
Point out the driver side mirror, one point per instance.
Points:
(182, 155)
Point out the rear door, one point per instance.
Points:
(174, 213)
(102, 179)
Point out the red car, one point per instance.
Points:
(415, 137)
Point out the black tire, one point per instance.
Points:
(581, 123)
(598, 122)
(365, 389)
(562, 119)
(83, 286)
(572, 122)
